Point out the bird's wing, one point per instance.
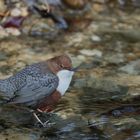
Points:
(29, 85)
(36, 88)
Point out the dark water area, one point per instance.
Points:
(102, 102)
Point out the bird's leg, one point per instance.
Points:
(44, 124)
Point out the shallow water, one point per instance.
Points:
(98, 119)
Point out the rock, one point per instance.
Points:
(42, 29)
(78, 60)
(13, 31)
(135, 3)
(95, 38)
(15, 12)
(77, 40)
(24, 12)
(3, 56)
(93, 52)
(114, 58)
(18, 116)
(19, 12)
(75, 4)
(130, 35)
(19, 134)
(101, 89)
(132, 68)
(2, 6)
(3, 33)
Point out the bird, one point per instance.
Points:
(39, 86)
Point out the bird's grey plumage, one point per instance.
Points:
(29, 86)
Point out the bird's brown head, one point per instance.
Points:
(59, 63)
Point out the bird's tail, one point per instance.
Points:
(2, 86)
(5, 94)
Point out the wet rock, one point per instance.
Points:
(132, 67)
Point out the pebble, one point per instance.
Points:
(2, 56)
(116, 58)
(93, 52)
(2, 6)
(95, 38)
(81, 57)
(15, 12)
(77, 60)
(13, 31)
(75, 4)
(3, 33)
(24, 12)
(19, 12)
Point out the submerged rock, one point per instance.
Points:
(101, 89)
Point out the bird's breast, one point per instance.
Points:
(47, 104)
(65, 78)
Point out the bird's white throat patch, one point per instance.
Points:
(65, 77)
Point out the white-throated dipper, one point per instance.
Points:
(40, 85)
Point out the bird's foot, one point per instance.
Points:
(44, 124)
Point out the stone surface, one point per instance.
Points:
(95, 38)
(13, 31)
(132, 67)
(15, 12)
(94, 52)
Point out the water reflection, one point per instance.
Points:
(102, 119)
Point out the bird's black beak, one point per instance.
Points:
(75, 68)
